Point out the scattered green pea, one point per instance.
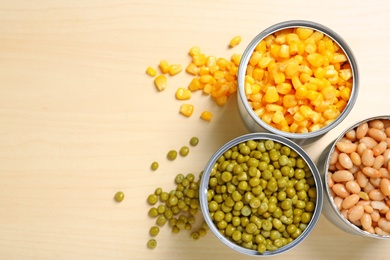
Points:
(172, 154)
(154, 231)
(119, 196)
(194, 141)
(184, 151)
(152, 199)
(154, 166)
(152, 243)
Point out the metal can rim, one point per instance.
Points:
(325, 183)
(292, 24)
(260, 136)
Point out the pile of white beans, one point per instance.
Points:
(359, 176)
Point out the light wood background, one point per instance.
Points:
(80, 119)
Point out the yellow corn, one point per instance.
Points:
(235, 41)
(278, 117)
(236, 59)
(175, 69)
(186, 109)
(183, 94)
(151, 71)
(192, 69)
(207, 88)
(195, 85)
(284, 51)
(160, 82)
(206, 115)
(204, 71)
(194, 51)
(164, 66)
(304, 33)
(271, 95)
(289, 101)
(199, 59)
(255, 58)
(284, 88)
(315, 59)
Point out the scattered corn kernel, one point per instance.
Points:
(235, 41)
(160, 82)
(183, 94)
(151, 71)
(206, 115)
(164, 66)
(175, 69)
(187, 109)
(298, 80)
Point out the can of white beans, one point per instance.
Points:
(261, 194)
(356, 176)
(293, 85)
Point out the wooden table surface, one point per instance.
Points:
(81, 120)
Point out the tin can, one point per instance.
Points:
(204, 187)
(254, 123)
(330, 210)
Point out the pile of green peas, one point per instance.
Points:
(177, 208)
(261, 195)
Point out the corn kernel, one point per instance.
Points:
(205, 79)
(261, 47)
(331, 113)
(279, 77)
(207, 88)
(271, 95)
(186, 109)
(183, 94)
(292, 37)
(206, 116)
(219, 74)
(310, 47)
(160, 82)
(256, 97)
(339, 57)
(319, 73)
(274, 50)
(151, 71)
(222, 100)
(194, 51)
(255, 58)
(329, 93)
(278, 117)
(211, 61)
(284, 88)
(199, 59)
(258, 74)
(175, 69)
(284, 51)
(273, 108)
(192, 69)
(289, 101)
(315, 59)
(345, 74)
(301, 92)
(195, 84)
(267, 117)
(345, 93)
(222, 63)
(304, 33)
(236, 59)
(298, 116)
(204, 71)
(312, 94)
(235, 41)
(292, 68)
(164, 66)
(317, 36)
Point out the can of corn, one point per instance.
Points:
(357, 205)
(297, 79)
(261, 194)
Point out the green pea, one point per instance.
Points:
(184, 151)
(194, 141)
(245, 150)
(269, 145)
(306, 217)
(266, 225)
(285, 150)
(152, 199)
(226, 176)
(152, 243)
(236, 235)
(154, 166)
(119, 196)
(161, 220)
(153, 213)
(172, 154)
(153, 231)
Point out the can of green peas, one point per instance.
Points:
(297, 79)
(261, 194)
(355, 171)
